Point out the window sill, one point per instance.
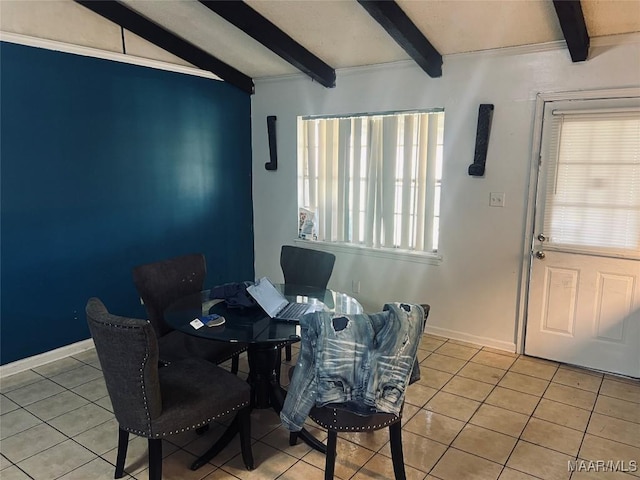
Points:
(391, 254)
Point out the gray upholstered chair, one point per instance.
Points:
(155, 402)
(305, 266)
(160, 284)
(338, 418)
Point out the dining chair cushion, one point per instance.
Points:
(185, 388)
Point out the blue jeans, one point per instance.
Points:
(363, 361)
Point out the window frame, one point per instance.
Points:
(433, 257)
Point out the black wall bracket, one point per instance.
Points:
(272, 164)
(485, 114)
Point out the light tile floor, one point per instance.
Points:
(477, 413)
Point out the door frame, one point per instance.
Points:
(536, 145)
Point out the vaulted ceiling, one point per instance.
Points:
(241, 41)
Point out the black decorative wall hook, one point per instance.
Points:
(272, 164)
(485, 114)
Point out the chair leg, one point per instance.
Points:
(330, 462)
(397, 457)
(244, 420)
(287, 352)
(155, 459)
(278, 365)
(235, 360)
(123, 443)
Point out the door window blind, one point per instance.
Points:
(593, 185)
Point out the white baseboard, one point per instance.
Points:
(46, 357)
(465, 337)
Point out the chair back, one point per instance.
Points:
(128, 352)
(304, 266)
(159, 284)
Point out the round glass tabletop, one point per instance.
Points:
(253, 325)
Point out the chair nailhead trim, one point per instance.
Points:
(222, 360)
(209, 420)
(126, 327)
(193, 427)
(142, 385)
(144, 391)
(351, 428)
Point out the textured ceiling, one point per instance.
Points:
(343, 34)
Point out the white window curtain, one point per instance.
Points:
(372, 179)
(593, 194)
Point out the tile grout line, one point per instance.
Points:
(531, 376)
(47, 422)
(584, 435)
(519, 439)
(450, 445)
(475, 411)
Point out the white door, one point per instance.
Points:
(584, 290)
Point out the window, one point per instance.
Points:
(373, 180)
(593, 193)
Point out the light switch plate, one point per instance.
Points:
(496, 199)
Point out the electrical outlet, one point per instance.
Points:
(355, 286)
(496, 199)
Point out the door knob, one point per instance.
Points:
(541, 237)
(540, 254)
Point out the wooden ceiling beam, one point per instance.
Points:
(244, 17)
(136, 23)
(573, 27)
(397, 24)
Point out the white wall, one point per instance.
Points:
(474, 292)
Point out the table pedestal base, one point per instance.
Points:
(266, 392)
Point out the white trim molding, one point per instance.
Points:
(465, 337)
(46, 357)
(103, 54)
(612, 40)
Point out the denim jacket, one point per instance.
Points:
(363, 361)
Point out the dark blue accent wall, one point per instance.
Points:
(105, 166)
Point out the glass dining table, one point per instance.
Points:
(265, 338)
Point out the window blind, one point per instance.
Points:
(373, 180)
(593, 188)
